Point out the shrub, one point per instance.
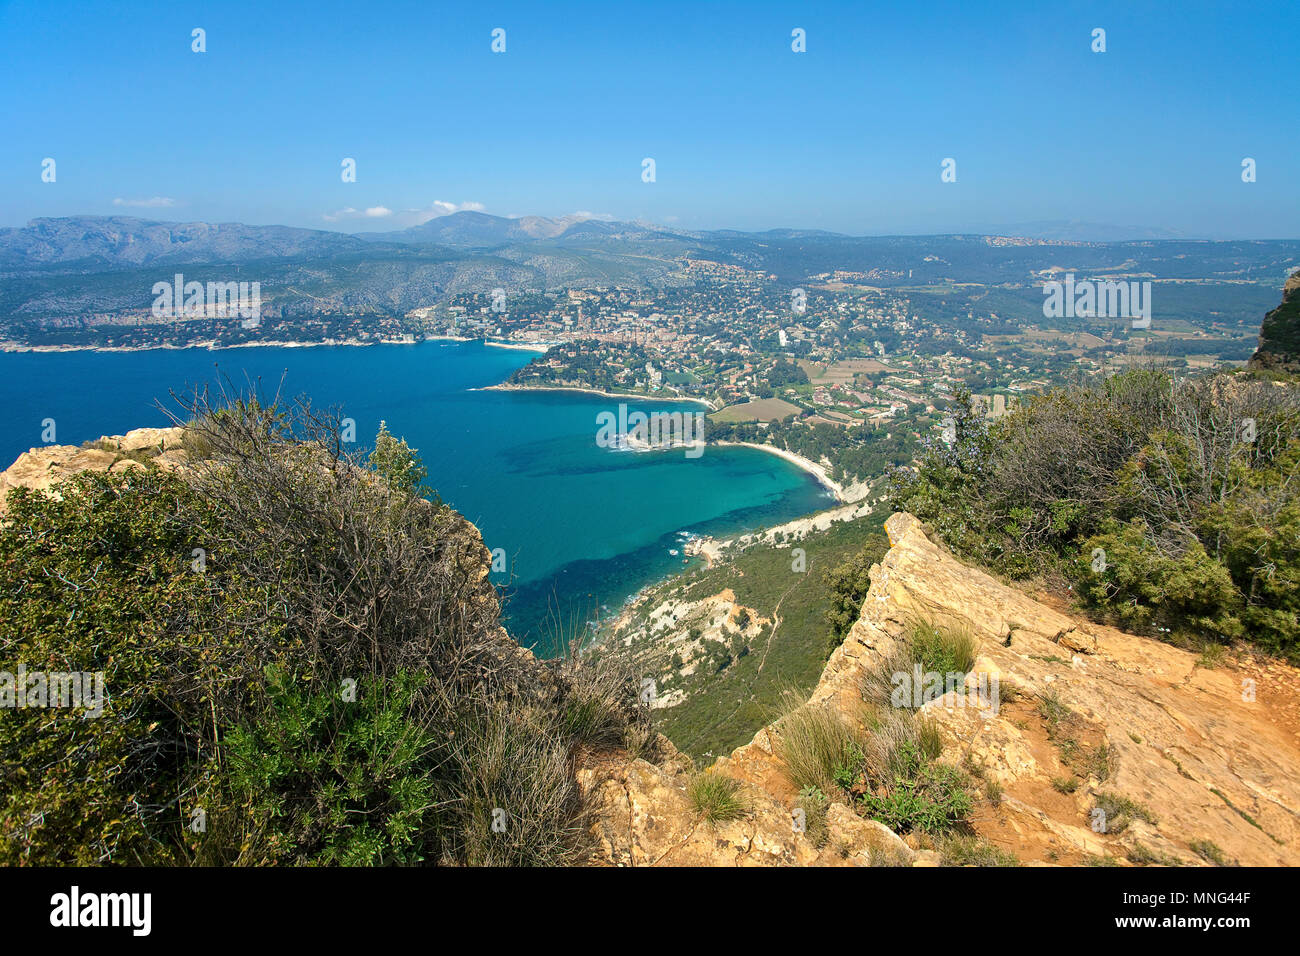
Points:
(848, 585)
(1120, 811)
(1210, 852)
(814, 805)
(1199, 518)
(397, 463)
(920, 794)
(945, 651)
(301, 657)
(966, 850)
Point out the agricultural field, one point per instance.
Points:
(758, 410)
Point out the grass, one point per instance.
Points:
(1212, 655)
(965, 850)
(757, 410)
(1210, 852)
(1048, 658)
(1143, 855)
(1053, 710)
(1062, 728)
(1065, 784)
(1008, 691)
(813, 804)
(818, 747)
(944, 650)
(933, 648)
(993, 791)
(1243, 814)
(716, 797)
(1096, 762)
(1120, 811)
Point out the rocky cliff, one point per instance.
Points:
(1200, 756)
(1279, 334)
(1210, 756)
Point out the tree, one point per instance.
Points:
(397, 462)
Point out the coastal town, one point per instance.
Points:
(850, 371)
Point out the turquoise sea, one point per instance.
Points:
(582, 527)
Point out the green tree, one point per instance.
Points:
(397, 462)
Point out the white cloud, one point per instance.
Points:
(405, 217)
(157, 202)
(441, 207)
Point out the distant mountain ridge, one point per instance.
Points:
(128, 241)
(91, 242)
(479, 230)
(54, 271)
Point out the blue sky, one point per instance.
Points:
(745, 133)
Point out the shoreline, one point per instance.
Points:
(818, 471)
(503, 387)
(540, 347)
(211, 345)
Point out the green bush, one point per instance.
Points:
(304, 665)
(848, 584)
(1186, 486)
(920, 794)
(818, 748)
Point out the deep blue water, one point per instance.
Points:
(582, 527)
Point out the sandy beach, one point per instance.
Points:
(812, 467)
(542, 347)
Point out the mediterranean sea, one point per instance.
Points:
(580, 527)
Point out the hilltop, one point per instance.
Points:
(1189, 759)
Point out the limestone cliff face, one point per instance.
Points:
(1279, 334)
(1213, 754)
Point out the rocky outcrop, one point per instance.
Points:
(1279, 334)
(1192, 763)
(41, 468)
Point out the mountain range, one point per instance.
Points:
(55, 269)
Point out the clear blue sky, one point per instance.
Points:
(746, 134)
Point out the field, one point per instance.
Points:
(759, 410)
(841, 373)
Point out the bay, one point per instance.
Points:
(580, 527)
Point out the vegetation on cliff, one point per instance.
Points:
(1279, 334)
(1172, 506)
(303, 665)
